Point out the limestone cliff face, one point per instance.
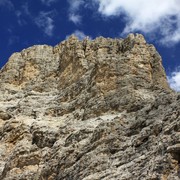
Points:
(99, 109)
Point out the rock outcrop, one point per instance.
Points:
(91, 109)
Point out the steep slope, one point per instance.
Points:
(99, 109)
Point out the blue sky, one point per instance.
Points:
(28, 22)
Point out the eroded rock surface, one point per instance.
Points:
(88, 110)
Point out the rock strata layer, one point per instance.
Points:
(87, 110)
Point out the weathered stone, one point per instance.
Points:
(91, 109)
(4, 115)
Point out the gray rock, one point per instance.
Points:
(5, 115)
(91, 109)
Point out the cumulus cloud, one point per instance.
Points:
(79, 34)
(162, 16)
(45, 22)
(48, 2)
(73, 14)
(174, 80)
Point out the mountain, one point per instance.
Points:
(88, 110)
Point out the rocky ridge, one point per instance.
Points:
(91, 109)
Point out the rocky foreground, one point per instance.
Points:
(88, 110)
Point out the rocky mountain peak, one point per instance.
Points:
(90, 109)
(131, 57)
(118, 73)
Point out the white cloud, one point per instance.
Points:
(174, 80)
(75, 18)
(74, 6)
(45, 22)
(162, 16)
(48, 2)
(22, 13)
(79, 34)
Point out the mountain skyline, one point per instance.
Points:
(27, 23)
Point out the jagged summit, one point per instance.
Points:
(90, 109)
(116, 73)
(44, 62)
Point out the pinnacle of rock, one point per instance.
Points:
(90, 109)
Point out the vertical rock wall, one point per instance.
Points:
(91, 109)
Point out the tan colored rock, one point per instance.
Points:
(91, 109)
(4, 115)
